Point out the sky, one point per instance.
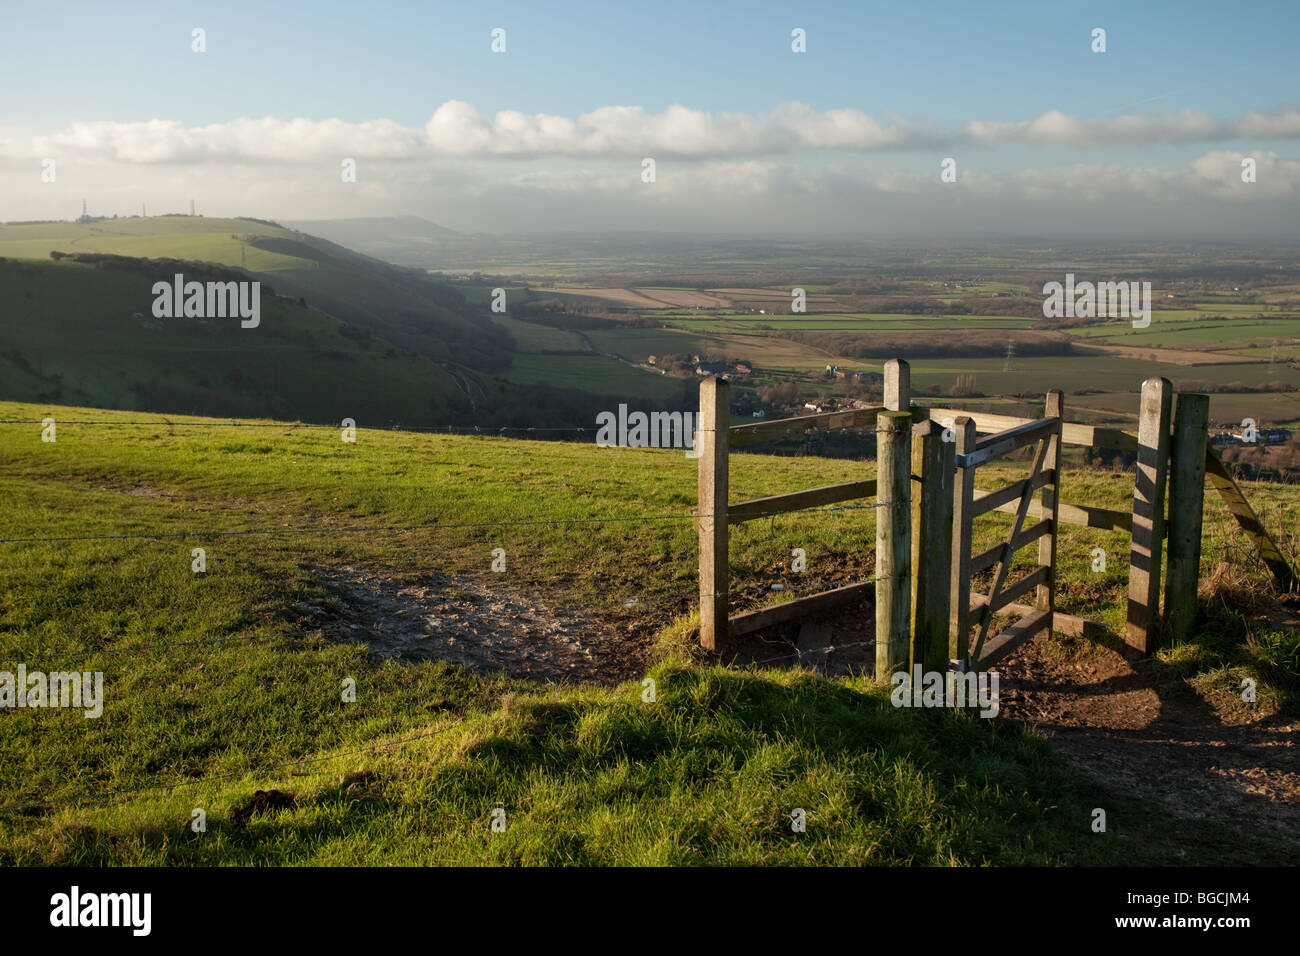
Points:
(1047, 136)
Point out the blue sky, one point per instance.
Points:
(946, 61)
(939, 64)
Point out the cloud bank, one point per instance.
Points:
(458, 130)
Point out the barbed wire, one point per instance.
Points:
(436, 525)
(830, 649)
(272, 768)
(434, 429)
(631, 605)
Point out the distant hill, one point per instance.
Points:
(375, 229)
(404, 240)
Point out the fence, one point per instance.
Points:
(926, 503)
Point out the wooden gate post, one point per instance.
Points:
(893, 542)
(1186, 505)
(963, 498)
(898, 385)
(1147, 550)
(711, 510)
(932, 469)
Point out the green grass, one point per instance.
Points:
(708, 773)
(179, 237)
(594, 373)
(405, 308)
(119, 355)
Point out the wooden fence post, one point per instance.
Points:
(1147, 550)
(1186, 506)
(711, 510)
(963, 497)
(893, 542)
(898, 385)
(1051, 499)
(932, 468)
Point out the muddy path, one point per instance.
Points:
(1165, 751)
(488, 626)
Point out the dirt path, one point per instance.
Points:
(1164, 748)
(488, 627)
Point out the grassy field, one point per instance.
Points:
(175, 237)
(198, 716)
(596, 374)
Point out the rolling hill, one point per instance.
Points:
(345, 335)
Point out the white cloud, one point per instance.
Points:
(1058, 129)
(458, 130)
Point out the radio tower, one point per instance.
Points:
(191, 207)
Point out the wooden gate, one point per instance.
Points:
(975, 612)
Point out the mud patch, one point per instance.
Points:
(837, 642)
(486, 627)
(1165, 745)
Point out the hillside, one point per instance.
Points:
(523, 690)
(403, 307)
(85, 335)
(407, 240)
(346, 331)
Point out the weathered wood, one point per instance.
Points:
(1186, 508)
(799, 500)
(1084, 515)
(1072, 433)
(1283, 574)
(711, 512)
(748, 621)
(780, 428)
(893, 543)
(1147, 550)
(898, 385)
(1066, 623)
(1009, 495)
(1051, 497)
(932, 470)
(989, 605)
(1008, 594)
(991, 556)
(963, 494)
(997, 445)
(1004, 565)
(1001, 644)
